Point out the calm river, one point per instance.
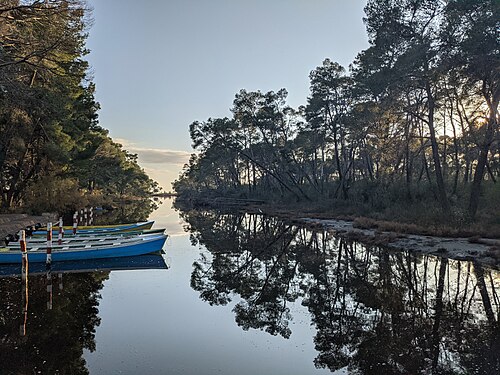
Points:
(245, 294)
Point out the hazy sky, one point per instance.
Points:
(159, 65)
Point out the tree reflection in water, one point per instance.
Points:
(375, 311)
(53, 337)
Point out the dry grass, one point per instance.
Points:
(474, 231)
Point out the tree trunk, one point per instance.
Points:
(441, 190)
(337, 161)
(484, 149)
(455, 151)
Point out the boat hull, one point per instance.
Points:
(140, 262)
(69, 235)
(125, 250)
(121, 228)
(37, 242)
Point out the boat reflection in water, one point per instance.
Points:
(374, 311)
(49, 317)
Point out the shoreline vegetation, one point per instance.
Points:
(54, 154)
(359, 216)
(471, 243)
(406, 140)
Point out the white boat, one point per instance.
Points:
(85, 238)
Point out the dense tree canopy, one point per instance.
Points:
(52, 149)
(415, 119)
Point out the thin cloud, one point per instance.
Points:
(155, 155)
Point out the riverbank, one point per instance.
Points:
(471, 241)
(485, 251)
(456, 243)
(422, 218)
(12, 223)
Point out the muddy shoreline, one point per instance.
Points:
(484, 251)
(481, 248)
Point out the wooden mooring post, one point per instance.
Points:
(24, 278)
(24, 253)
(61, 232)
(75, 222)
(48, 261)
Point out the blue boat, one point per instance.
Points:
(143, 245)
(139, 262)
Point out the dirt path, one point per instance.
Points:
(481, 250)
(12, 223)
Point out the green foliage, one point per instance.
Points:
(50, 193)
(410, 132)
(48, 114)
(490, 202)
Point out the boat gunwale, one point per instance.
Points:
(131, 249)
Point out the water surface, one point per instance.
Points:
(246, 294)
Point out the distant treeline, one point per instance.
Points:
(53, 153)
(412, 125)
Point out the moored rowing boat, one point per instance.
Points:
(86, 242)
(124, 248)
(102, 229)
(139, 262)
(102, 234)
(36, 240)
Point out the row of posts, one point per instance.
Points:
(24, 269)
(24, 274)
(60, 235)
(24, 251)
(84, 216)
